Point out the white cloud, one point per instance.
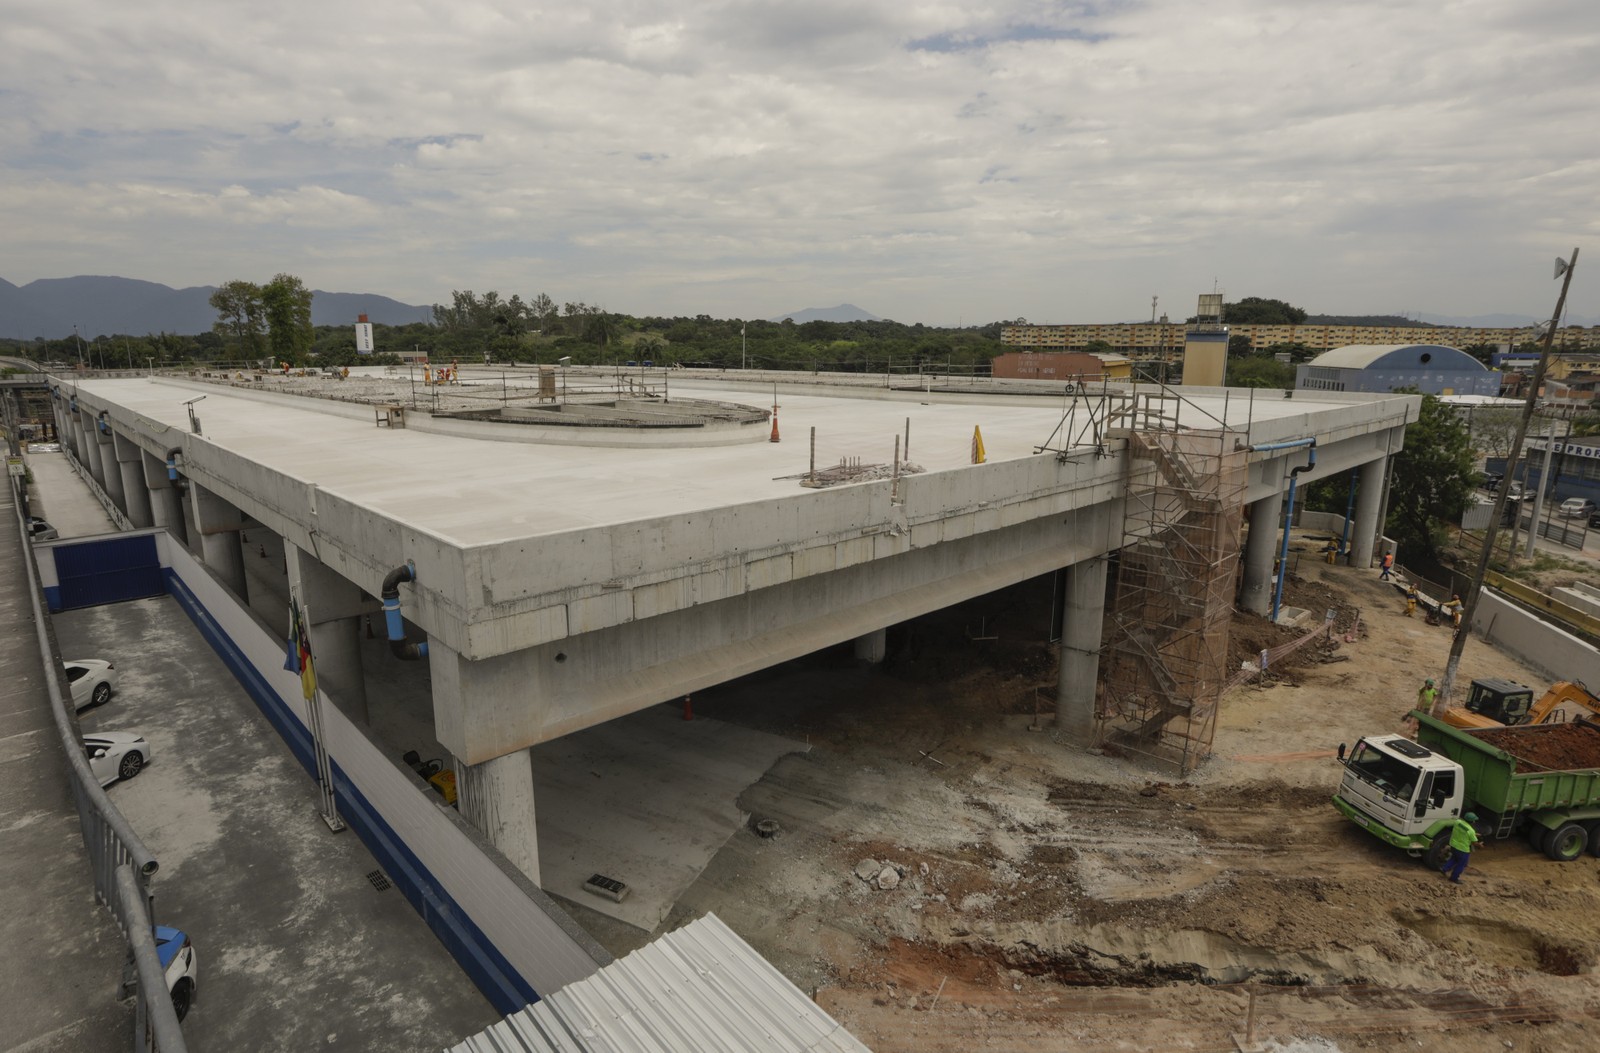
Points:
(930, 161)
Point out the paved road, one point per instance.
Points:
(298, 948)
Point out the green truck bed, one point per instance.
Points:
(1519, 769)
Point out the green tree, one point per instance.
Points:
(240, 314)
(1587, 424)
(1256, 310)
(1260, 371)
(286, 307)
(1434, 476)
(1239, 346)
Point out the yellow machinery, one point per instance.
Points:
(1496, 703)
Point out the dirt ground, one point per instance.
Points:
(947, 878)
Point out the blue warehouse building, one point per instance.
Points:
(1432, 369)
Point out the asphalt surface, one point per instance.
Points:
(298, 947)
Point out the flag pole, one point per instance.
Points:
(330, 804)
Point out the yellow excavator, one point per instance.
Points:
(1496, 703)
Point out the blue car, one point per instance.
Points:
(180, 965)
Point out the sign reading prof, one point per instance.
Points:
(363, 335)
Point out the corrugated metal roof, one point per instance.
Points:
(1360, 356)
(700, 989)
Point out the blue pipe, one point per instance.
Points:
(398, 643)
(1289, 444)
(1288, 519)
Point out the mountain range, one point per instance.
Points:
(97, 305)
(845, 312)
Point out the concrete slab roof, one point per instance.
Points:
(471, 491)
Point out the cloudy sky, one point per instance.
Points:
(930, 161)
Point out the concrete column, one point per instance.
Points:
(166, 504)
(136, 499)
(110, 473)
(88, 449)
(1260, 549)
(496, 798)
(335, 605)
(1369, 495)
(1079, 671)
(217, 522)
(873, 646)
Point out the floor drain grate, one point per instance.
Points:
(379, 882)
(610, 888)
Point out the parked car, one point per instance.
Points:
(1577, 506)
(116, 755)
(1491, 481)
(92, 681)
(181, 965)
(1594, 520)
(39, 530)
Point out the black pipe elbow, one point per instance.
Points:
(391, 582)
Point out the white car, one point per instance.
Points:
(116, 755)
(1577, 506)
(180, 964)
(92, 681)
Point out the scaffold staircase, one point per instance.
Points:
(1165, 657)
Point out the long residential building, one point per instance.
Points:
(1154, 339)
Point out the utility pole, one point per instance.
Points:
(1453, 663)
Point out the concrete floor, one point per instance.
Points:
(297, 948)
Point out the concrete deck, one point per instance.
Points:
(471, 492)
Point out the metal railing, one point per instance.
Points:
(119, 863)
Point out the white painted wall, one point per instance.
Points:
(1554, 652)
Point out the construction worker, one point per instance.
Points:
(1453, 609)
(1411, 599)
(1426, 695)
(1463, 835)
(1331, 550)
(1388, 566)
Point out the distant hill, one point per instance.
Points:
(1363, 319)
(845, 312)
(99, 305)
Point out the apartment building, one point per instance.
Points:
(1160, 339)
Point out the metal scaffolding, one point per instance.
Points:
(1165, 656)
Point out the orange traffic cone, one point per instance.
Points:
(774, 425)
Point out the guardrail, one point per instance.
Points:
(119, 863)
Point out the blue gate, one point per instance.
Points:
(107, 570)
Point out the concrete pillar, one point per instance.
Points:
(88, 449)
(1260, 550)
(1079, 671)
(110, 472)
(873, 646)
(1369, 495)
(335, 606)
(136, 499)
(166, 504)
(496, 798)
(217, 522)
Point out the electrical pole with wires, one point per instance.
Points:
(1453, 663)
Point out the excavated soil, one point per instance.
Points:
(1552, 746)
(1042, 897)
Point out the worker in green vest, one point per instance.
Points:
(1463, 835)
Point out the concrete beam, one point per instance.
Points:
(217, 523)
